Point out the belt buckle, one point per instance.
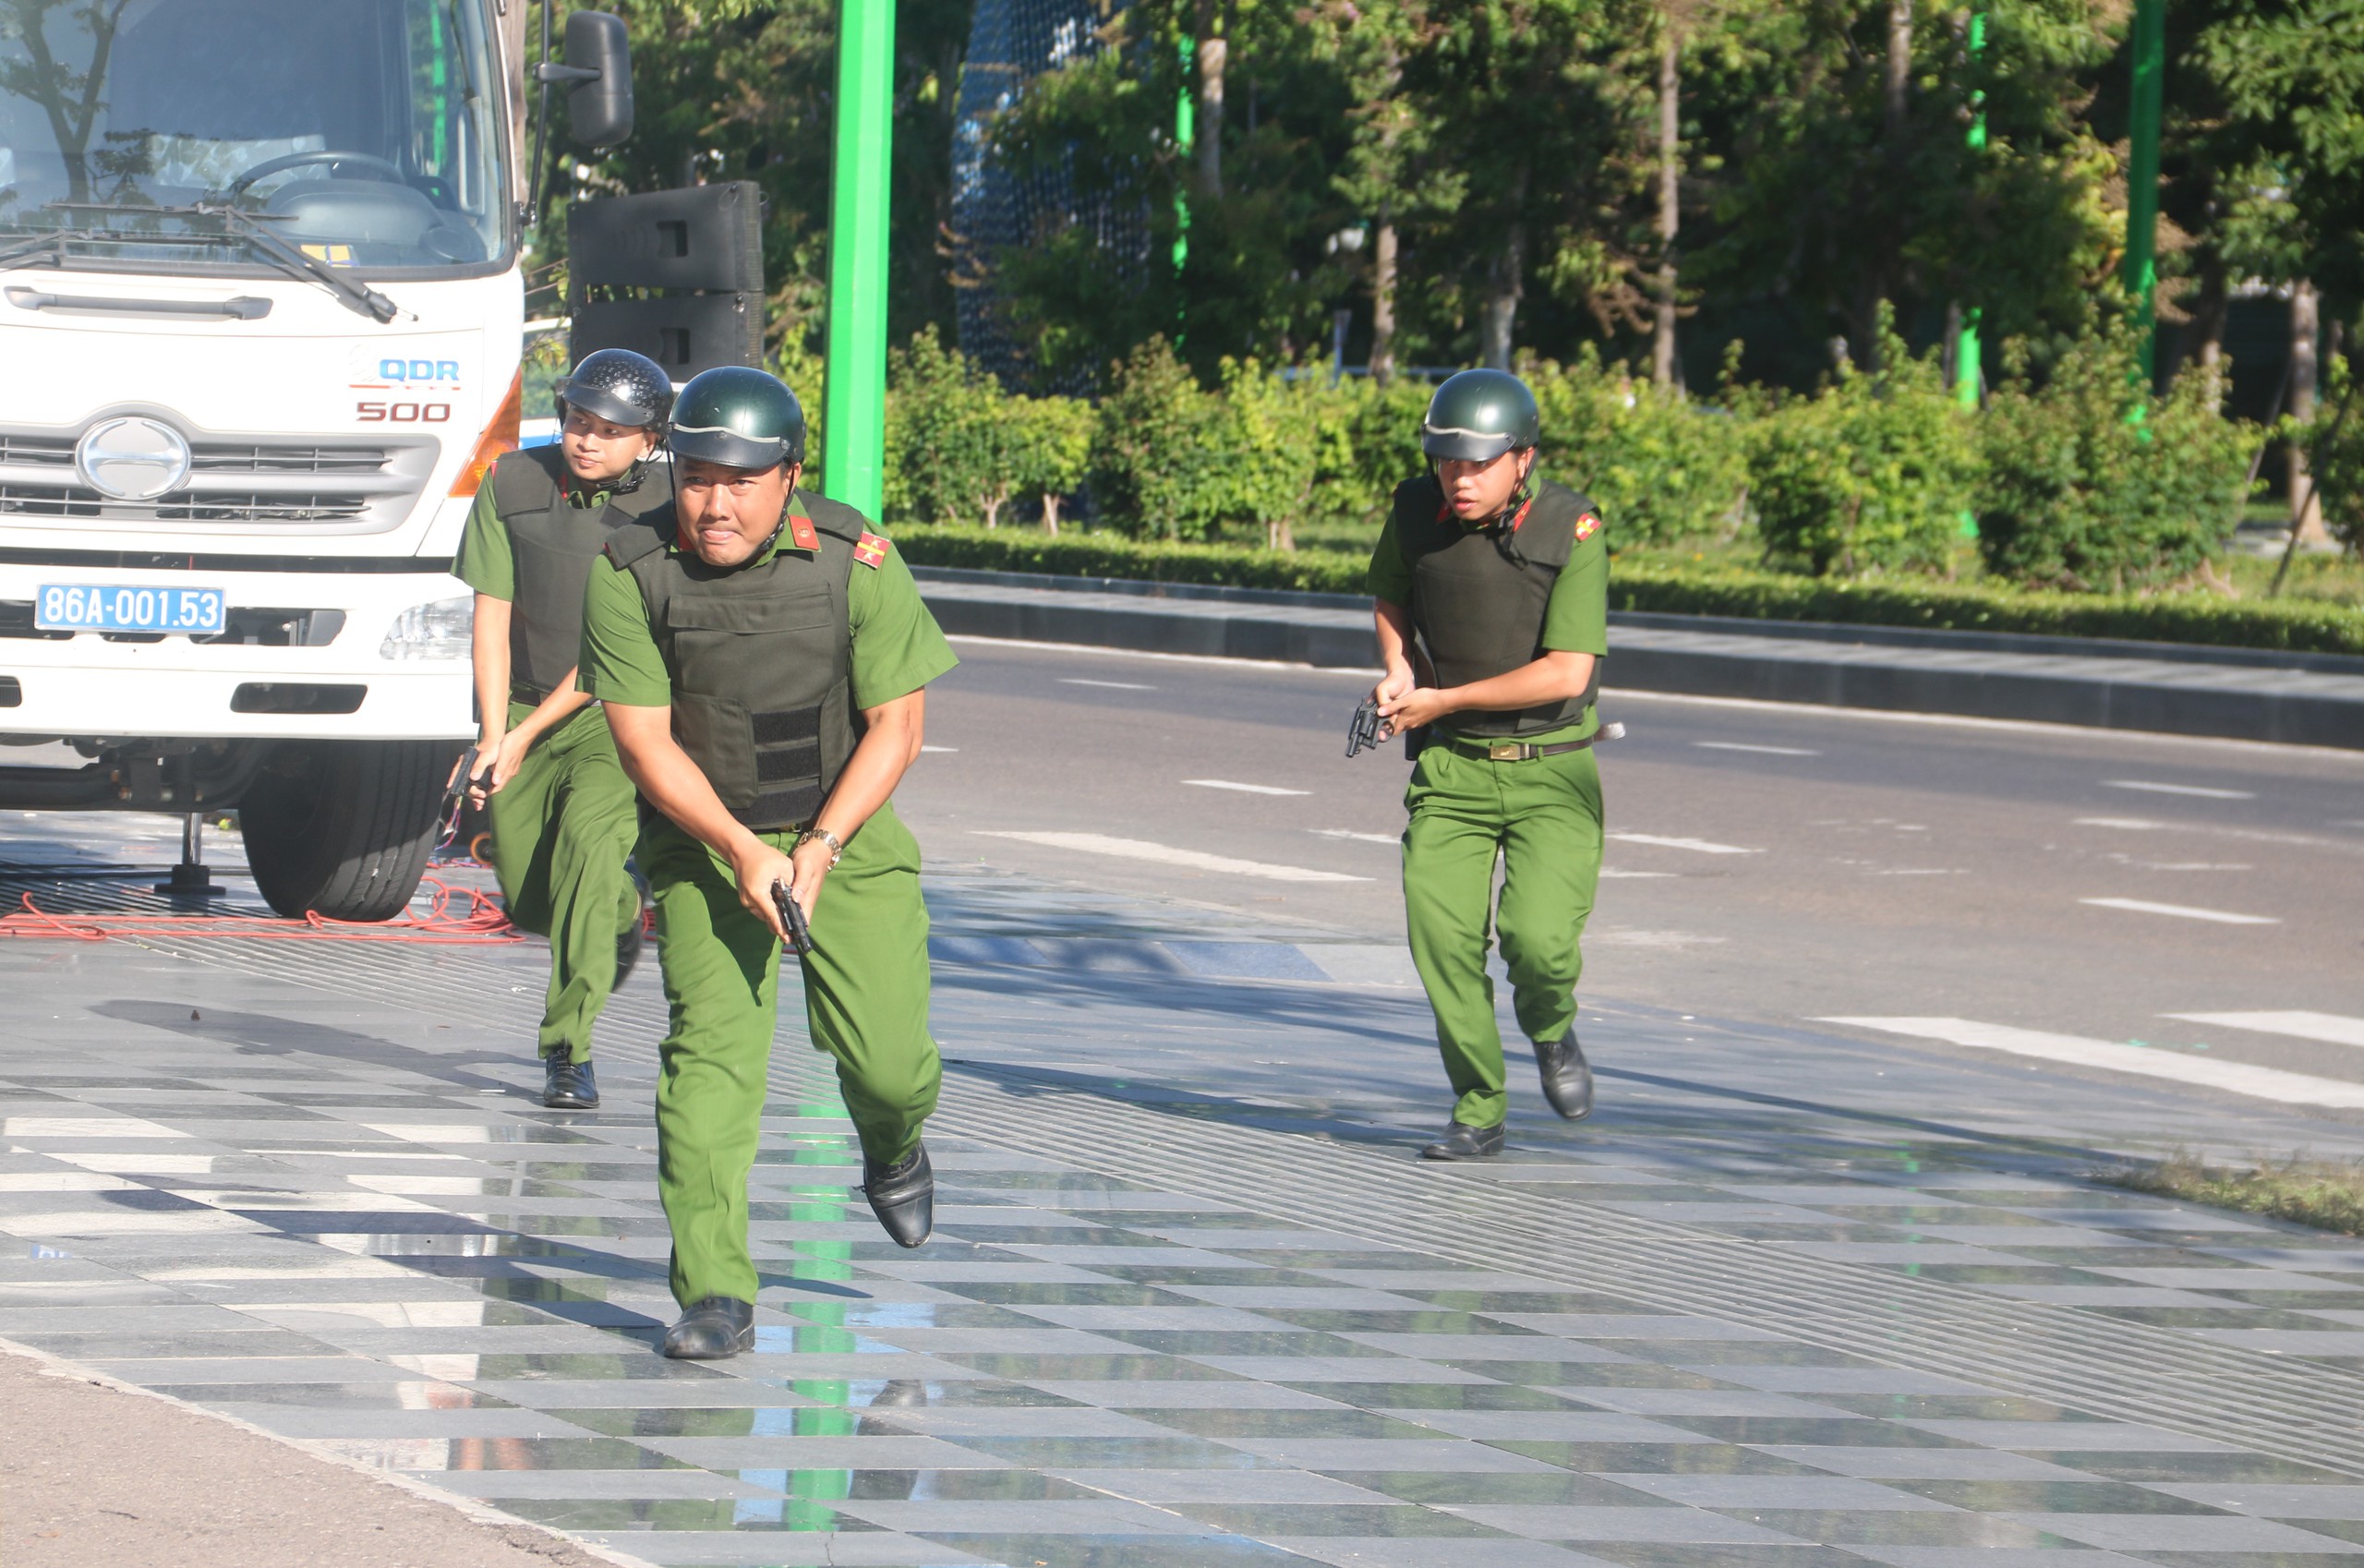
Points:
(1506, 750)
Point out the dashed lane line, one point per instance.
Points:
(2195, 791)
(1358, 837)
(1701, 845)
(1105, 686)
(2181, 912)
(2237, 1078)
(2329, 1028)
(1761, 750)
(1243, 788)
(1166, 854)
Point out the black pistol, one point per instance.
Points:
(792, 920)
(1362, 730)
(455, 794)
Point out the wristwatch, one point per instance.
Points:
(836, 845)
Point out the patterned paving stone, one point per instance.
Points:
(318, 1194)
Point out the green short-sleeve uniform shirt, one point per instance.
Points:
(488, 560)
(1575, 617)
(898, 648)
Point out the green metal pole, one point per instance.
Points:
(2142, 270)
(1185, 135)
(1967, 365)
(853, 401)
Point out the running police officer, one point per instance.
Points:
(1492, 591)
(763, 659)
(562, 810)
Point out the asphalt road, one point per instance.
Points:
(1766, 864)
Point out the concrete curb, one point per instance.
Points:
(2235, 693)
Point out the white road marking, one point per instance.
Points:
(2193, 790)
(1165, 854)
(2182, 912)
(1360, 838)
(2208, 1072)
(939, 748)
(1110, 685)
(2328, 1027)
(2131, 824)
(1243, 788)
(1701, 845)
(1768, 751)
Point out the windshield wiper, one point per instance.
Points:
(356, 294)
(353, 293)
(55, 241)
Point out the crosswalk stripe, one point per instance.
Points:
(2181, 912)
(1701, 845)
(2329, 1027)
(2237, 1078)
(1166, 854)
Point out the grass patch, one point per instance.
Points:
(2319, 1193)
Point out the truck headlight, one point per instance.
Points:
(432, 631)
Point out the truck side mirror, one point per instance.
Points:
(598, 106)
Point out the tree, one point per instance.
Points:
(746, 90)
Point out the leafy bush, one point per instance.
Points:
(1659, 467)
(1872, 475)
(2293, 625)
(2339, 446)
(960, 449)
(1153, 465)
(2086, 489)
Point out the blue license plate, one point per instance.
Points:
(87, 607)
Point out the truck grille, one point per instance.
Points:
(366, 485)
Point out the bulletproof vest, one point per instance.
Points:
(553, 543)
(761, 661)
(1480, 596)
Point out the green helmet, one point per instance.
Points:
(1476, 416)
(739, 416)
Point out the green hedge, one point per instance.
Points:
(2297, 626)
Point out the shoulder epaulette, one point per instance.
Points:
(870, 550)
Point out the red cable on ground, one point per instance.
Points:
(482, 923)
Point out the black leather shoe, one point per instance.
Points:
(1567, 1081)
(1462, 1142)
(569, 1086)
(711, 1330)
(904, 1196)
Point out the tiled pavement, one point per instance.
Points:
(1787, 1300)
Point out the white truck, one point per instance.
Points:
(260, 311)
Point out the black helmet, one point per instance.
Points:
(622, 387)
(1476, 416)
(739, 416)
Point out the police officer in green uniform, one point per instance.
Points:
(764, 658)
(1492, 591)
(560, 808)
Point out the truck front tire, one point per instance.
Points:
(344, 827)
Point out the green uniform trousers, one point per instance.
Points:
(1542, 818)
(561, 831)
(866, 1004)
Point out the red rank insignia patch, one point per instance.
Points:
(1587, 526)
(870, 550)
(802, 533)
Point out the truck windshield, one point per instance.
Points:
(366, 132)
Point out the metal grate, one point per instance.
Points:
(995, 209)
(360, 487)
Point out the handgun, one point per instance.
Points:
(1362, 730)
(792, 919)
(455, 793)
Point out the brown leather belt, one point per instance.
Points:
(1522, 750)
